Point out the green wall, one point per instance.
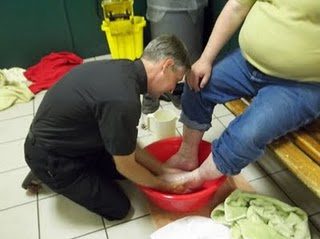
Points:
(34, 28)
(31, 29)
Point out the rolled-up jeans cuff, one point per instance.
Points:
(193, 124)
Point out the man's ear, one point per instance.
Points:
(167, 63)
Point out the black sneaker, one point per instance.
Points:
(149, 104)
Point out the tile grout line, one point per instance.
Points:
(33, 108)
(225, 127)
(258, 178)
(38, 216)
(13, 169)
(224, 115)
(17, 117)
(11, 141)
(128, 220)
(314, 214)
(17, 205)
(105, 228)
(49, 196)
(285, 193)
(86, 234)
(268, 173)
(278, 185)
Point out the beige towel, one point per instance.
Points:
(13, 88)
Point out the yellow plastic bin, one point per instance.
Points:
(125, 37)
(115, 9)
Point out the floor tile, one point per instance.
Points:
(315, 219)
(143, 126)
(14, 129)
(17, 110)
(176, 111)
(10, 183)
(143, 131)
(220, 110)
(19, 222)
(140, 228)
(62, 218)
(214, 132)
(138, 203)
(45, 192)
(12, 155)
(267, 187)
(180, 131)
(270, 163)
(252, 172)
(298, 192)
(95, 235)
(226, 120)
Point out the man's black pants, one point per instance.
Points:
(87, 179)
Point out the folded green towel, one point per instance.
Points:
(253, 216)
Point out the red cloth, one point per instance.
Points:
(50, 69)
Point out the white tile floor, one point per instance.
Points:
(48, 215)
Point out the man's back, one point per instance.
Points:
(82, 109)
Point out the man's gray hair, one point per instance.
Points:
(166, 46)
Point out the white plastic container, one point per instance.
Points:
(162, 123)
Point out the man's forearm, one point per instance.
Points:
(138, 174)
(130, 168)
(148, 161)
(229, 20)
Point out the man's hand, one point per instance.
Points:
(200, 74)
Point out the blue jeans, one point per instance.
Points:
(278, 107)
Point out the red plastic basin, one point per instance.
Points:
(163, 150)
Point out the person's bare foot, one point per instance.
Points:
(182, 161)
(184, 182)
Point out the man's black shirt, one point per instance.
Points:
(96, 105)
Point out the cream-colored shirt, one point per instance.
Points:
(282, 38)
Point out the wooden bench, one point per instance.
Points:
(299, 150)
